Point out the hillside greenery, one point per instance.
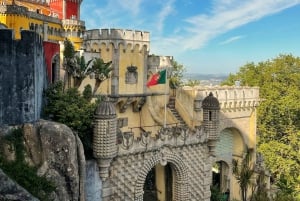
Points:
(278, 117)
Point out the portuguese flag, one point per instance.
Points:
(157, 78)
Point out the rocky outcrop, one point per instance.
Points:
(12, 191)
(58, 154)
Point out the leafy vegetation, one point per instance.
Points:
(72, 109)
(176, 75)
(193, 83)
(101, 70)
(259, 188)
(87, 93)
(77, 67)
(21, 172)
(243, 172)
(278, 116)
(216, 194)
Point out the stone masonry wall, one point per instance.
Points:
(190, 164)
(22, 77)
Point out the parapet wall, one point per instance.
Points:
(23, 11)
(116, 37)
(229, 97)
(22, 77)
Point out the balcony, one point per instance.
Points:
(71, 22)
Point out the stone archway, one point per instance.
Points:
(231, 145)
(181, 184)
(221, 176)
(55, 68)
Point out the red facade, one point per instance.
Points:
(57, 8)
(71, 9)
(50, 50)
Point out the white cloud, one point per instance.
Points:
(194, 33)
(111, 14)
(232, 39)
(132, 6)
(227, 15)
(166, 10)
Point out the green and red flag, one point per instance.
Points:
(157, 78)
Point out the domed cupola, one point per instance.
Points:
(105, 110)
(105, 136)
(210, 102)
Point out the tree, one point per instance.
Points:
(278, 115)
(259, 189)
(243, 172)
(176, 75)
(81, 69)
(101, 70)
(69, 55)
(75, 65)
(193, 83)
(87, 92)
(70, 108)
(69, 50)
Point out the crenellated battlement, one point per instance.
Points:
(229, 97)
(233, 97)
(13, 9)
(27, 37)
(116, 37)
(76, 1)
(23, 11)
(117, 34)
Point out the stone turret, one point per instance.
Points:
(105, 136)
(211, 110)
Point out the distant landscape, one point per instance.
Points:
(206, 79)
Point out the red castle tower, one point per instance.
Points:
(66, 9)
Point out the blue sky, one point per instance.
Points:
(206, 36)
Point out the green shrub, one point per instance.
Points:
(72, 109)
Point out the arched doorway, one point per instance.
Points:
(231, 145)
(158, 185)
(220, 175)
(55, 68)
(171, 164)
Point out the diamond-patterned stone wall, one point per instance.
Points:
(191, 165)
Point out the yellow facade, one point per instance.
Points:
(35, 17)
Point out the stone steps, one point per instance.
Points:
(171, 106)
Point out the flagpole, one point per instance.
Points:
(165, 119)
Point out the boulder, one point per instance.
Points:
(58, 154)
(11, 191)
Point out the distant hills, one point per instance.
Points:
(206, 79)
